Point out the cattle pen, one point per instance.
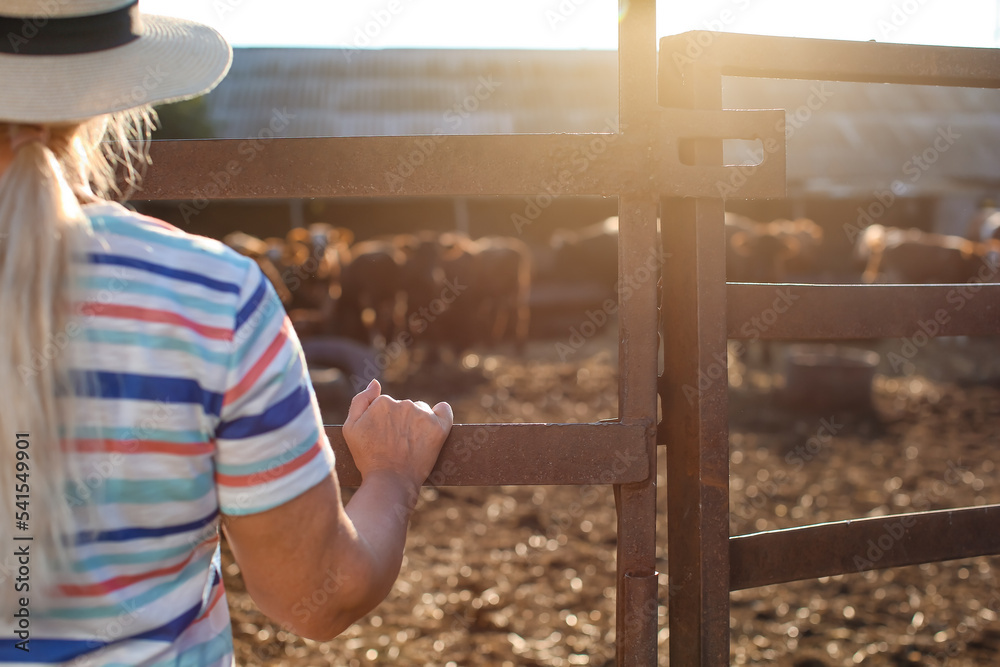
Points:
(666, 162)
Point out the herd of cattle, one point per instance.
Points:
(438, 288)
(448, 289)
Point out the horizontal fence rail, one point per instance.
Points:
(844, 312)
(857, 545)
(760, 56)
(494, 454)
(439, 165)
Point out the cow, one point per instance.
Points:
(985, 224)
(312, 261)
(461, 292)
(260, 252)
(371, 283)
(769, 252)
(896, 255)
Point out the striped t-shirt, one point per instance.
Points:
(205, 407)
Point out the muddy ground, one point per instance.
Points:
(511, 576)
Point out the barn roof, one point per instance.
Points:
(856, 139)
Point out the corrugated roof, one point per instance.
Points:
(843, 137)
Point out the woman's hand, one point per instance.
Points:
(402, 438)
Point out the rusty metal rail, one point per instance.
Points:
(857, 545)
(839, 312)
(492, 454)
(569, 164)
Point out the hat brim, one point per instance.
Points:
(173, 60)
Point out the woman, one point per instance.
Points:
(151, 388)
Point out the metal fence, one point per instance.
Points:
(666, 161)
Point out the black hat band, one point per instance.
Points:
(45, 36)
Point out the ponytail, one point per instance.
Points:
(43, 230)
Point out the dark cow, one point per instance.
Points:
(461, 292)
(913, 256)
(371, 283)
(769, 252)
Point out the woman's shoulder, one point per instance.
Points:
(120, 231)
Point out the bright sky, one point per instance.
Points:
(577, 24)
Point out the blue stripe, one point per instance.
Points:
(63, 650)
(251, 305)
(279, 414)
(131, 386)
(47, 651)
(141, 533)
(159, 269)
(139, 229)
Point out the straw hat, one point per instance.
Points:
(68, 60)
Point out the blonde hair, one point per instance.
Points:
(42, 228)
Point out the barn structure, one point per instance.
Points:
(907, 156)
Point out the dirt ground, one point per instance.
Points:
(511, 576)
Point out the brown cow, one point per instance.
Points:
(371, 284)
(257, 250)
(460, 291)
(985, 224)
(768, 252)
(913, 256)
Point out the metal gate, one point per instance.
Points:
(665, 160)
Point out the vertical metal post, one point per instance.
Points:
(638, 268)
(694, 394)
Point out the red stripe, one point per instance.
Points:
(152, 315)
(271, 474)
(97, 446)
(258, 368)
(117, 583)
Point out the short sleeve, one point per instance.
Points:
(270, 441)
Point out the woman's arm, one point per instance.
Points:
(316, 566)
